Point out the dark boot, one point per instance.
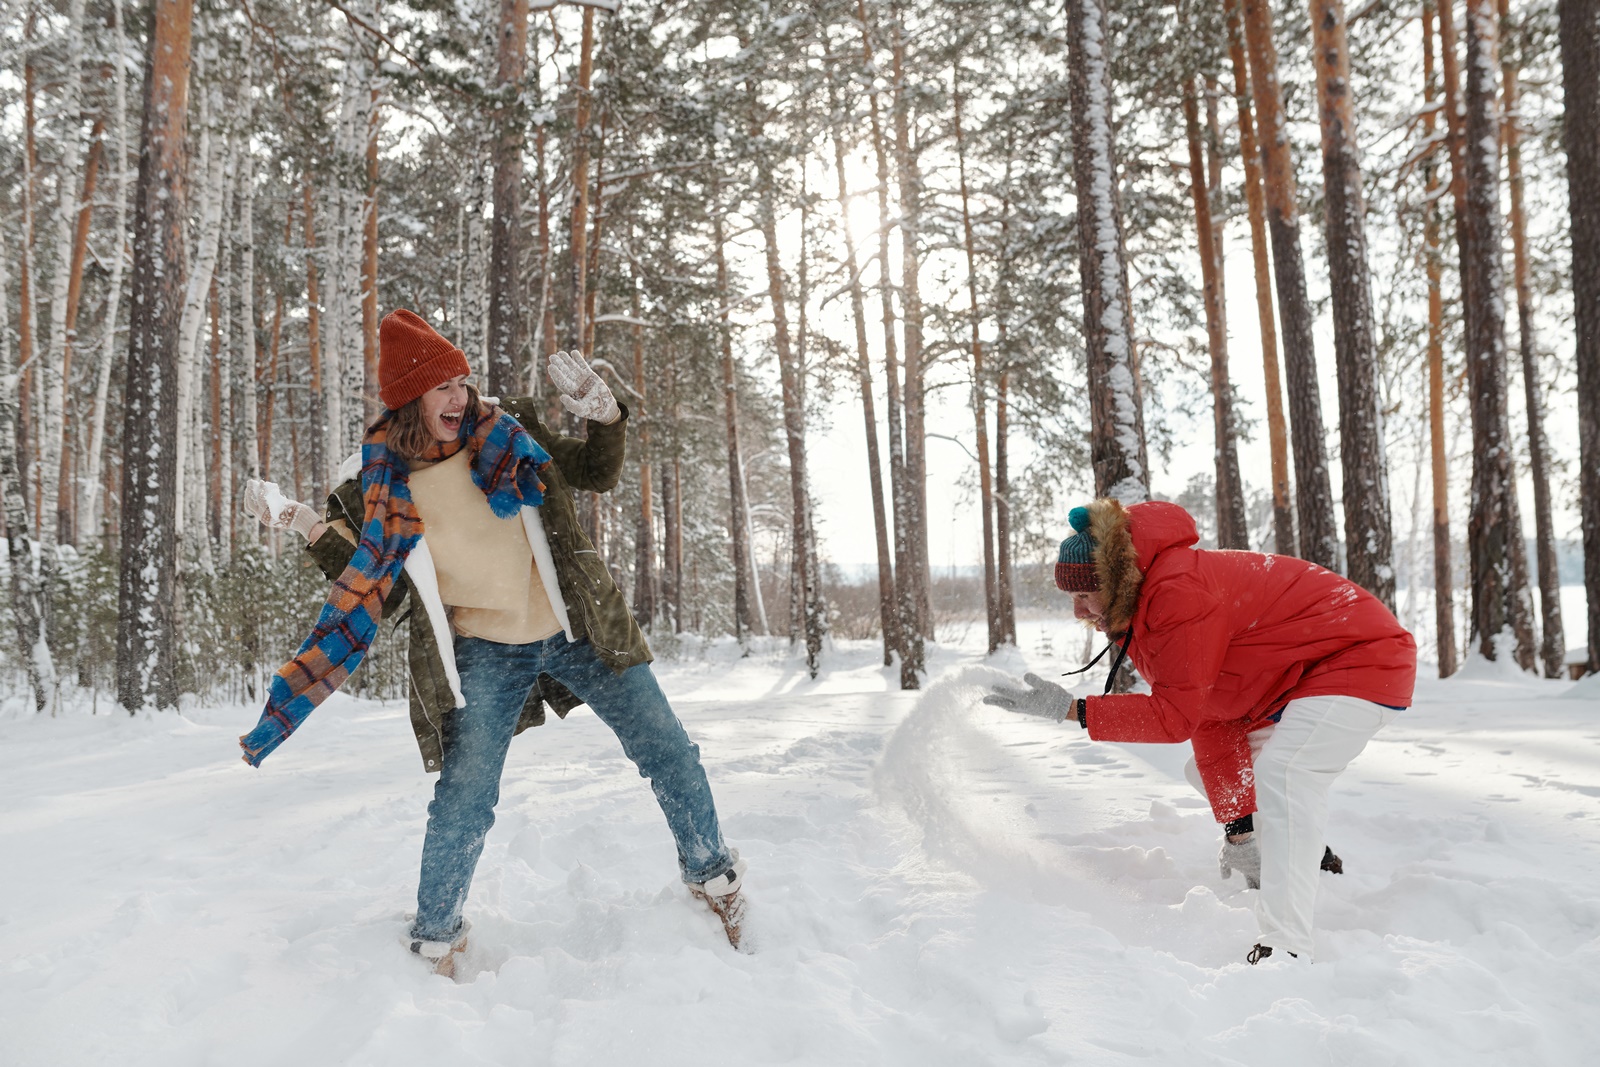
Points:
(1261, 952)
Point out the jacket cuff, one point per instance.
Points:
(331, 553)
(613, 425)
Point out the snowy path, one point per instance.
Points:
(934, 881)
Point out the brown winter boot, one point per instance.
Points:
(442, 954)
(721, 895)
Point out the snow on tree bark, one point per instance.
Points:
(1368, 534)
(1552, 644)
(145, 645)
(746, 579)
(1313, 493)
(805, 563)
(579, 234)
(1494, 530)
(908, 181)
(26, 613)
(1116, 412)
(372, 404)
(505, 297)
(56, 361)
(213, 153)
(318, 415)
(102, 389)
(1580, 63)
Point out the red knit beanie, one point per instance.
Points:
(413, 358)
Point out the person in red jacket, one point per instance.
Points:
(1276, 671)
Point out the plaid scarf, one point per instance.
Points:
(505, 463)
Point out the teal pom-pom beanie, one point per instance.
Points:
(1075, 572)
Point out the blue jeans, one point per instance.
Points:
(496, 680)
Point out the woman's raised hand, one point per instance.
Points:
(582, 391)
(266, 502)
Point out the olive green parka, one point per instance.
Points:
(594, 608)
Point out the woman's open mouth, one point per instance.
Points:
(451, 420)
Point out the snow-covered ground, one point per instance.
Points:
(933, 881)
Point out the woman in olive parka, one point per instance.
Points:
(459, 513)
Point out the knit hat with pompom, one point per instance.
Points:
(1075, 570)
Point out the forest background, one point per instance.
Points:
(887, 287)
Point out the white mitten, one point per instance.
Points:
(1047, 700)
(582, 391)
(266, 502)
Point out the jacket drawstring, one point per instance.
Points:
(1116, 662)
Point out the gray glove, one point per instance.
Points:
(1244, 857)
(1045, 699)
(582, 391)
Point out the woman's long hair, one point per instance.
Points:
(409, 436)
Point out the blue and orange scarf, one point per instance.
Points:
(505, 462)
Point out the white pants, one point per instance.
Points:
(1296, 762)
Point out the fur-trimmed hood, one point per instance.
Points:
(1128, 541)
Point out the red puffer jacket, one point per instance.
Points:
(1226, 639)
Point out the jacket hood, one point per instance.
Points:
(1159, 525)
(1129, 539)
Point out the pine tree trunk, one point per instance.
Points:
(1443, 589)
(579, 233)
(805, 568)
(991, 592)
(1552, 648)
(27, 348)
(1232, 530)
(26, 611)
(248, 373)
(644, 548)
(56, 361)
(148, 570)
(1521, 613)
(908, 178)
(888, 614)
(1494, 533)
(505, 325)
(209, 235)
(544, 340)
(270, 391)
(744, 571)
(214, 438)
(1313, 492)
(372, 405)
(1116, 433)
(1002, 510)
(592, 269)
(912, 659)
(1368, 533)
(317, 405)
(1580, 63)
(1255, 203)
(66, 496)
(119, 237)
